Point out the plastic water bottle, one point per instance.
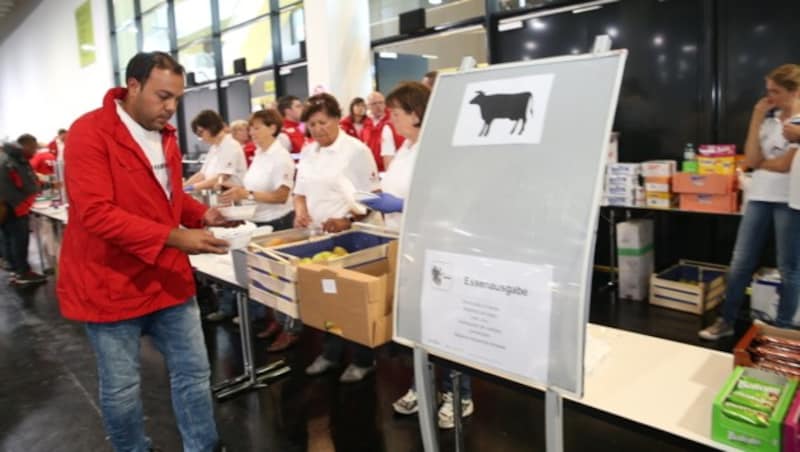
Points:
(689, 159)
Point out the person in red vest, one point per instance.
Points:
(240, 132)
(57, 145)
(123, 269)
(378, 133)
(353, 124)
(18, 189)
(292, 136)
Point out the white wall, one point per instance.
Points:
(42, 86)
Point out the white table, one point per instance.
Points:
(663, 384)
(219, 267)
(57, 218)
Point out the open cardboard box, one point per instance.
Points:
(355, 303)
(741, 355)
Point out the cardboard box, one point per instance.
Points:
(745, 436)
(354, 303)
(272, 270)
(791, 427)
(710, 203)
(635, 258)
(689, 286)
(717, 150)
(622, 181)
(659, 168)
(619, 200)
(657, 184)
(741, 352)
(711, 184)
(620, 191)
(716, 165)
(765, 295)
(634, 236)
(624, 169)
(659, 200)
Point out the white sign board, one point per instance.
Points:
(489, 310)
(502, 211)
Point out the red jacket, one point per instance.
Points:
(371, 136)
(249, 149)
(349, 127)
(44, 163)
(114, 264)
(296, 137)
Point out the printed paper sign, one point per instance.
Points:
(504, 111)
(488, 311)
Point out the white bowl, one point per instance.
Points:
(238, 237)
(238, 213)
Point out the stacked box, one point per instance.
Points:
(657, 183)
(635, 258)
(749, 410)
(717, 159)
(707, 192)
(622, 187)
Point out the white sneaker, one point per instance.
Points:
(319, 366)
(718, 329)
(406, 404)
(446, 419)
(355, 373)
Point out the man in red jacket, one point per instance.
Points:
(291, 136)
(123, 265)
(378, 132)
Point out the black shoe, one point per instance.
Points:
(29, 278)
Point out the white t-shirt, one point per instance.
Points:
(794, 182)
(271, 169)
(387, 142)
(397, 179)
(326, 176)
(768, 185)
(226, 157)
(150, 142)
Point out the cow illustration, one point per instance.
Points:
(506, 106)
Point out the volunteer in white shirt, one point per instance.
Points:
(225, 161)
(269, 182)
(767, 150)
(407, 104)
(332, 168)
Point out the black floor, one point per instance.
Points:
(48, 393)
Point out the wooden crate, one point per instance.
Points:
(689, 286)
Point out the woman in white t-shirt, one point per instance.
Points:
(331, 169)
(407, 104)
(268, 182)
(225, 161)
(768, 151)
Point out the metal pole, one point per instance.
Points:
(244, 324)
(554, 421)
(425, 398)
(612, 246)
(455, 378)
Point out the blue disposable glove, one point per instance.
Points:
(385, 203)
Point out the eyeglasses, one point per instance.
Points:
(377, 102)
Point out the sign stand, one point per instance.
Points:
(426, 393)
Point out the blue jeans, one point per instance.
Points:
(754, 229)
(177, 334)
(465, 383)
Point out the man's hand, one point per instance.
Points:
(196, 241)
(336, 225)
(213, 217)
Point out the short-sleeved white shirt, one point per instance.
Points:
(768, 185)
(226, 157)
(397, 179)
(388, 148)
(326, 174)
(271, 168)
